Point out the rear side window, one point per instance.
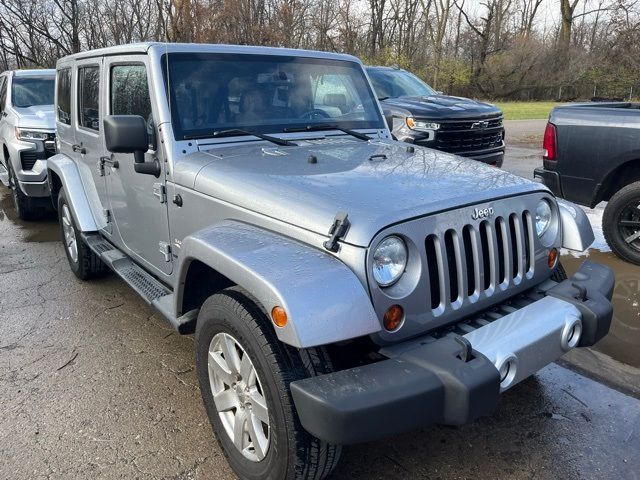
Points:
(130, 94)
(63, 96)
(88, 97)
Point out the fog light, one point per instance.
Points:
(279, 316)
(552, 259)
(393, 318)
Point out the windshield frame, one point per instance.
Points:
(371, 71)
(17, 79)
(275, 128)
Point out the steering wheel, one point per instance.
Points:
(315, 113)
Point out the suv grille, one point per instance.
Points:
(470, 135)
(478, 258)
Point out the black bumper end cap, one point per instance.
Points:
(590, 289)
(424, 386)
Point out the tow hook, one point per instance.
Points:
(582, 292)
(466, 353)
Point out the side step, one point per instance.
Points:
(4, 176)
(148, 287)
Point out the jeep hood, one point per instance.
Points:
(375, 183)
(36, 116)
(442, 107)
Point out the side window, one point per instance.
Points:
(130, 94)
(63, 95)
(88, 97)
(3, 93)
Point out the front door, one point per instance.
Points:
(137, 201)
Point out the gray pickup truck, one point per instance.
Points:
(342, 286)
(592, 155)
(27, 137)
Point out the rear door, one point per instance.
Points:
(88, 147)
(138, 202)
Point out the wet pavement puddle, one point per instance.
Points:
(623, 341)
(44, 229)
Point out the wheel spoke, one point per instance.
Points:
(246, 370)
(230, 354)
(632, 237)
(260, 442)
(259, 406)
(218, 367)
(239, 428)
(226, 400)
(630, 223)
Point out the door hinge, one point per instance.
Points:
(107, 215)
(160, 191)
(165, 249)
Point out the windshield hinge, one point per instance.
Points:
(160, 191)
(337, 231)
(165, 249)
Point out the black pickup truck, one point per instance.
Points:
(592, 155)
(418, 114)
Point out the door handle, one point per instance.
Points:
(79, 148)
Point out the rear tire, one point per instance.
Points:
(624, 207)
(83, 262)
(291, 452)
(25, 206)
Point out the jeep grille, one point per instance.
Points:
(476, 258)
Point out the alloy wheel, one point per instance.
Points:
(629, 224)
(238, 396)
(69, 234)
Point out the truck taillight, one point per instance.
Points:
(550, 142)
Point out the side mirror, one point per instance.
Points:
(126, 134)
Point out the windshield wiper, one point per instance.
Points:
(382, 99)
(232, 132)
(328, 126)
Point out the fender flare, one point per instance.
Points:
(67, 171)
(577, 233)
(325, 302)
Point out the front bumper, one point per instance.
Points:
(435, 381)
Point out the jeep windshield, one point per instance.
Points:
(31, 90)
(211, 92)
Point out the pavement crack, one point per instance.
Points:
(68, 362)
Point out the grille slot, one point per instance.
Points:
(28, 160)
(478, 259)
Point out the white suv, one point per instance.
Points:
(27, 136)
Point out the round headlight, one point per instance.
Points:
(389, 261)
(543, 217)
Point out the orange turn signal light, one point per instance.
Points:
(279, 316)
(410, 122)
(393, 318)
(552, 259)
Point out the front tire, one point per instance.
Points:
(240, 360)
(83, 262)
(621, 223)
(25, 208)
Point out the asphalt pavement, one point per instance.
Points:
(93, 384)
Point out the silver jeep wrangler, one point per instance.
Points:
(342, 286)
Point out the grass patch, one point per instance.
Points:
(526, 110)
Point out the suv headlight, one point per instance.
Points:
(22, 134)
(543, 217)
(389, 261)
(420, 125)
